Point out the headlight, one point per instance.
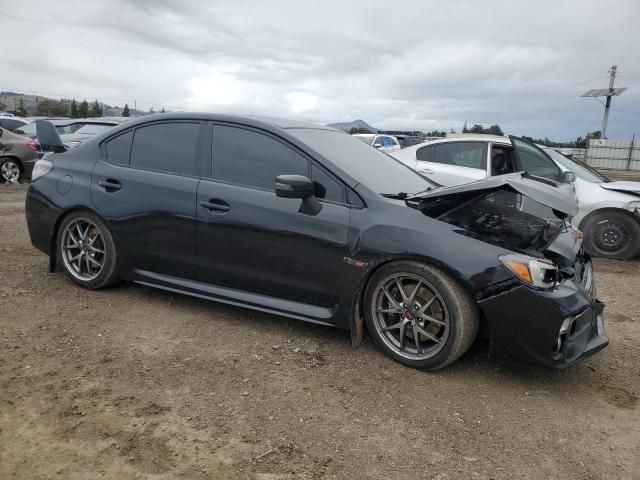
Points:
(42, 167)
(533, 271)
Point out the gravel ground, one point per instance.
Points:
(136, 383)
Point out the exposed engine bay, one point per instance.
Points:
(501, 218)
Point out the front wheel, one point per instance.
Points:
(420, 316)
(613, 235)
(86, 251)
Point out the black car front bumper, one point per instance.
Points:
(554, 329)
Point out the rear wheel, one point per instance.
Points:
(614, 235)
(86, 251)
(420, 316)
(10, 170)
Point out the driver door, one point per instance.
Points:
(533, 160)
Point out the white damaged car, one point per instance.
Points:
(609, 211)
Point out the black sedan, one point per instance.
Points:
(307, 222)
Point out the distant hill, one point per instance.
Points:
(346, 126)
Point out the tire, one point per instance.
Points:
(451, 322)
(10, 170)
(611, 234)
(85, 234)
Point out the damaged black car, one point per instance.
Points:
(304, 221)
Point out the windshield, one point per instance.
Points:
(371, 167)
(29, 129)
(367, 140)
(582, 171)
(93, 129)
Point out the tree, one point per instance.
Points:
(464, 127)
(83, 109)
(477, 128)
(594, 135)
(125, 111)
(151, 110)
(162, 111)
(495, 130)
(21, 111)
(3, 106)
(73, 109)
(52, 108)
(96, 110)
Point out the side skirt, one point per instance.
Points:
(240, 298)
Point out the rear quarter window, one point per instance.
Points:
(118, 149)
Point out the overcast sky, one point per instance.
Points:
(406, 65)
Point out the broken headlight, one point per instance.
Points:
(541, 273)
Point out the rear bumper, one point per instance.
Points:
(525, 325)
(41, 217)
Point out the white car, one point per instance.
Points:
(609, 212)
(386, 143)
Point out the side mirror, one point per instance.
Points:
(568, 177)
(294, 186)
(299, 186)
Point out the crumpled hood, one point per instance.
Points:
(558, 196)
(623, 186)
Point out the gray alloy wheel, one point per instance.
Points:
(86, 250)
(419, 315)
(10, 170)
(410, 316)
(82, 248)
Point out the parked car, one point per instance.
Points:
(11, 122)
(67, 126)
(18, 155)
(386, 143)
(307, 222)
(608, 214)
(87, 131)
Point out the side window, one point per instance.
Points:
(378, 142)
(534, 161)
(426, 154)
(330, 189)
(462, 154)
(118, 149)
(166, 147)
(245, 157)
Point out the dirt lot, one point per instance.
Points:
(136, 383)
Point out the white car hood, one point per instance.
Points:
(623, 186)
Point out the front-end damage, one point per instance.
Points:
(545, 313)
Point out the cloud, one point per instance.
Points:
(415, 65)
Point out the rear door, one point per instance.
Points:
(453, 163)
(250, 239)
(145, 185)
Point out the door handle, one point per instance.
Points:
(216, 205)
(110, 185)
(425, 170)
